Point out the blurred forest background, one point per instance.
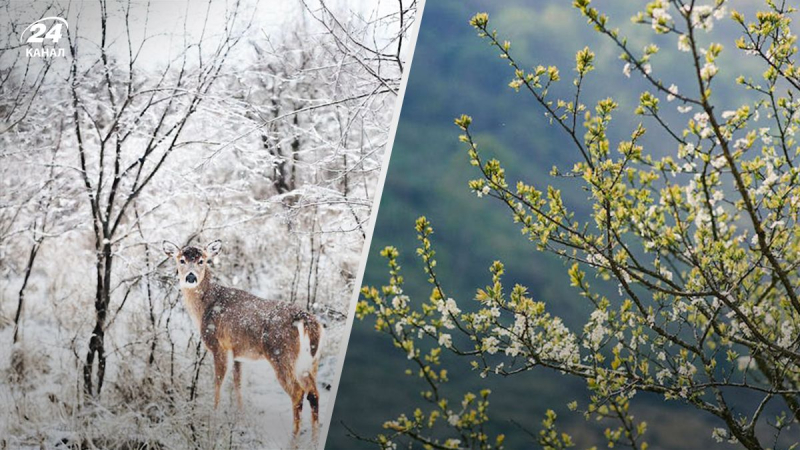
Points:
(454, 73)
(260, 124)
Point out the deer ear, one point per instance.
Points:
(213, 248)
(170, 249)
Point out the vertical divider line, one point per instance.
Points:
(326, 424)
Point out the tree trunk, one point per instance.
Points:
(93, 385)
(21, 300)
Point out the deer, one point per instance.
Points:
(234, 322)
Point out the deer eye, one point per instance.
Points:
(183, 261)
(200, 262)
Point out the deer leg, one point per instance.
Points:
(293, 389)
(313, 400)
(313, 395)
(237, 382)
(220, 367)
(297, 402)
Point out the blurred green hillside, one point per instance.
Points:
(454, 72)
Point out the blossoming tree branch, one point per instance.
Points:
(703, 243)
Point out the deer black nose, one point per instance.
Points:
(191, 278)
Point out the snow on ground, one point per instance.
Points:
(39, 411)
(267, 409)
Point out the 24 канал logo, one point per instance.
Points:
(42, 36)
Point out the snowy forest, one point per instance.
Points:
(260, 124)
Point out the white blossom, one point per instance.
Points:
(765, 136)
(453, 419)
(708, 71)
(445, 340)
(399, 301)
(685, 150)
(660, 15)
(673, 91)
(684, 44)
(491, 345)
(703, 17)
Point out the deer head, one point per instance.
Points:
(192, 261)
